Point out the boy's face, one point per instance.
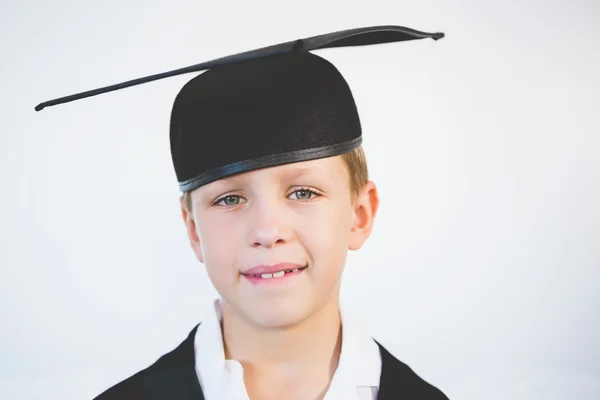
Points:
(294, 216)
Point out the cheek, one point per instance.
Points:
(219, 247)
(327, 237)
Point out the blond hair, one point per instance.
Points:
(355, 162)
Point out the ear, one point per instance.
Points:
(190, 226)
(364, 211)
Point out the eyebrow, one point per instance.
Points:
(301, 171)
(290, 172)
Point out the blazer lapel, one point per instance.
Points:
(399, 382)
(390, 384)
(174, 377)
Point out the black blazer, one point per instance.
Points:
(173, 377)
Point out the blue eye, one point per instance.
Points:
(304, 194)
(231, 200)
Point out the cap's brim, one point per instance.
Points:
(350, 37)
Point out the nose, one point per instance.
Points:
(268, 225)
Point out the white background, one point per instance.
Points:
(483, 272)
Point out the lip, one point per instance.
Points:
(270, 269)
(253, 275)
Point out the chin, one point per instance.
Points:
(275, 315)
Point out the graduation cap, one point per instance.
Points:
(261, 108)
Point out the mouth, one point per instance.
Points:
(276, 276)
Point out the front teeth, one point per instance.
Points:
(277, 274)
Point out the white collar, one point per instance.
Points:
(359, 366)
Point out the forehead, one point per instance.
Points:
(330, 168)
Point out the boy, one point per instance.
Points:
(275, 192)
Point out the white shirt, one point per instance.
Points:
(356, 377)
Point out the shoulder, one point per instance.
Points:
(398, 379)
(135, 387)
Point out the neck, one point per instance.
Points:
(307, 348)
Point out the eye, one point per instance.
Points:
(229, 201)
(304, 194)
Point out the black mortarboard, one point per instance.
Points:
(271, 106)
